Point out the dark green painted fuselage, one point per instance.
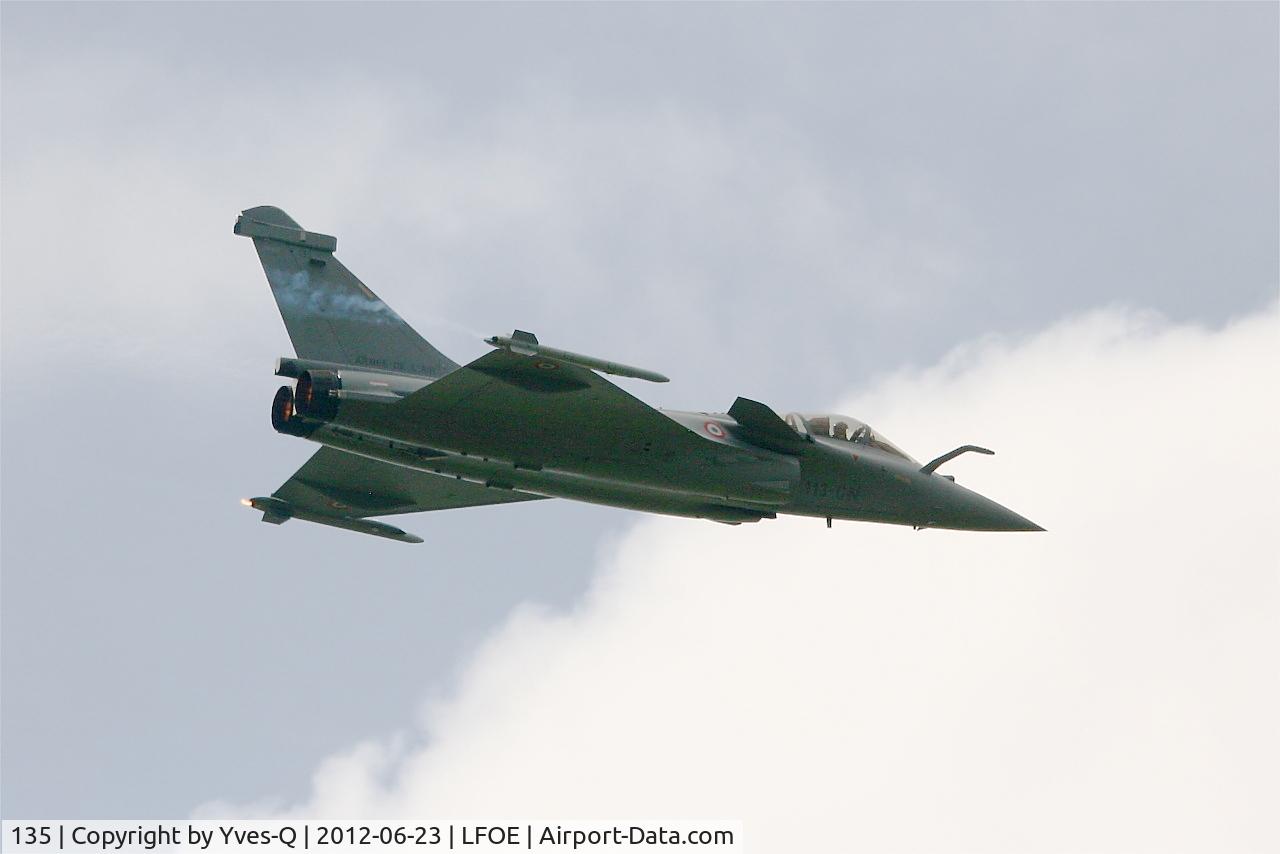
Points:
(405, 429)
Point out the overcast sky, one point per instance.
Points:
(803, 204)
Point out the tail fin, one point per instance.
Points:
(329, 313)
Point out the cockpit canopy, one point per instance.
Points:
(844, 428)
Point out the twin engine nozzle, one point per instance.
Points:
(315, 402)
(320, 392)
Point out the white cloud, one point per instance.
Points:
(1107, 686)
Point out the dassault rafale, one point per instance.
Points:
(403, 429)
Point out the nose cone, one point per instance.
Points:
(969, 511)
(994, 517)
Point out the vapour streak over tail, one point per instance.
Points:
(329, 313)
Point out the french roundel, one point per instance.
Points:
(714, 429)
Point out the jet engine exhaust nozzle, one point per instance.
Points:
(284, 416)
(316, 396)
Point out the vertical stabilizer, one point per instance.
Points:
(330, 315)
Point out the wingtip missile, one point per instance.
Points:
(526, 344)
(277, 511)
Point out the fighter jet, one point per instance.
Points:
(403, 429)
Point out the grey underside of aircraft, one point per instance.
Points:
(404, 429)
